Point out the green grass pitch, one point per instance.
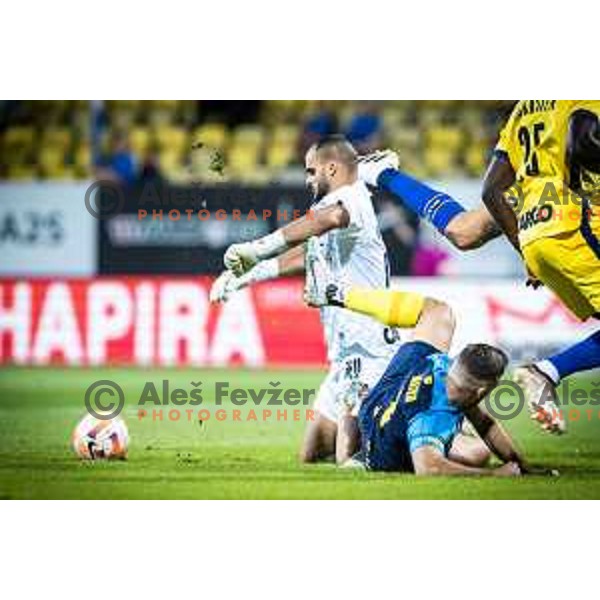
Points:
(40, 407)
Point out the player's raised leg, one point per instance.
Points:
(465, 229)
(392, 307)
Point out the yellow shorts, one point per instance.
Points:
(569, 265)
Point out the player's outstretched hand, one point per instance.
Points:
(240, 258)
(532, 281)
(510, 469)
(223, 286)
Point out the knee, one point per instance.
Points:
(307, 456)
(440, 311)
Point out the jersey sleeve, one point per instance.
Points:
(432, 428)
(350, 202)
(504, 147)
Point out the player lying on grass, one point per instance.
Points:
(412, 416)
(546, 149)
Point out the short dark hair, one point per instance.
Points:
(337, 147)
(483, 361)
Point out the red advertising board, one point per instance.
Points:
(163, 321)
(156, 322)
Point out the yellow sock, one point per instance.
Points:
(392, 307)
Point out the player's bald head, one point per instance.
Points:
(336, 148)
(330, 164)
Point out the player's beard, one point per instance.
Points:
(320, 189)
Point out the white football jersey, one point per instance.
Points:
(356, 256)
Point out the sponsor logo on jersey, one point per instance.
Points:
(535, 216)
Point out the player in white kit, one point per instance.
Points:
(342, 232)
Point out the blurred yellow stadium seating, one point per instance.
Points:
(17, 145)
(51, 161)
(282, 147)
(434, 138)
(171, 164)
(22, 172)
(139, 140)
(82, 161)
(475, 159)
(171, 138)
(56, 137)
(440, 162)
(444, 137)
(214, 135)
(243, 160)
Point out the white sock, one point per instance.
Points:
(548, 369)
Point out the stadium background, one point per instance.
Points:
(52, 152)
(83, 295)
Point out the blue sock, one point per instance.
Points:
(581, 357)
(438, 208)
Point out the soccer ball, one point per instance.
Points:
(95, 439)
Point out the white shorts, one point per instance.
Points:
(347, 383)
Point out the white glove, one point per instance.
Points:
(240, 258)
(225, 284)
(371, 166)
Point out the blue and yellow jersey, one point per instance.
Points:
(535, 142)
(408, 408)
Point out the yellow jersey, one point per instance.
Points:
(535, 142)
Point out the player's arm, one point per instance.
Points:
(240, 258)
(428, 460)
(495, 437)
(472, 229)
(499, 177)
(289, 263)
(583, 146)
